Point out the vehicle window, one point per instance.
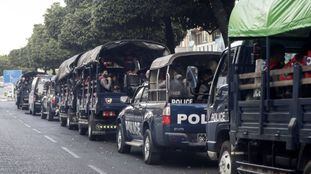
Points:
(153, 85)
(144, 97)
(138, 95)
(221, 76)
(40, 86)
(162, 84)
(157, 82)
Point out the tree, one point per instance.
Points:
(76, 33)
(123, 19)
(53, 19)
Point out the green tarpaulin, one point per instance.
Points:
(259, 18)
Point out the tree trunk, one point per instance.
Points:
(222, 18)
(54, 72)
(169, 34)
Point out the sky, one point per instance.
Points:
(17, 18)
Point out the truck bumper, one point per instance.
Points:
(195, 142)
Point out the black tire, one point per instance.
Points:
(82, 130)
(50, 116)
(42, 115)
(307, 168)
(150, 151)
(62, 122)
(122, 147)
(68, 123)
(90, 134)
(69, 119)
(225, 162)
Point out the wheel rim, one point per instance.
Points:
(225, 163)
(147, 148)
(119, 139)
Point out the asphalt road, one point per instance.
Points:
(29, 144)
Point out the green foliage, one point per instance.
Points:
(83, 24)
(53, 19)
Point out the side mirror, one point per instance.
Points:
(222, 92)
(192, 77)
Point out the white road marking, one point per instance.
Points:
(70, 152)
(36, 130)
(96, 169)
(27, 125)
(20, 120)
(49, 138)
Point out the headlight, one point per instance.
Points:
(123, 99)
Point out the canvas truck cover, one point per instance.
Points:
(167, 60)
(260, 18)
(116, 49)
(67, 67)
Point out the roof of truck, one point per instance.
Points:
(92, 56)
(166, 60)
(262, 18)
(67, 67)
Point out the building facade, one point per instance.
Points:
(200, 40)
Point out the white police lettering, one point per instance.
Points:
(308, 61)
(218, 117)
(192, 118)
(182, 101)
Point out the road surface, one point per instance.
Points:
(29, 144)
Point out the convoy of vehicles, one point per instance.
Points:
(169, 112)
(250, 116)
(108, 75)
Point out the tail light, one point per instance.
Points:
(109, 114)
(166, 116)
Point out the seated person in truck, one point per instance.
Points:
(177, 88)
(204, 84)
(131, 79)
(105, 80)
(277, 56)
(276, 61)
(302, 58)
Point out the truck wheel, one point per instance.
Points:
(122, 147)
(82, 130)
(62, 122)
(151, 153)
(225, 161)
(90, 134)
(307, 169)
(43, 115)
(69, 124)
(50, 116)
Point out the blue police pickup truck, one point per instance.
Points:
(170, 110)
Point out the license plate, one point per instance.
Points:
(201, 138)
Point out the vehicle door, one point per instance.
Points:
(130, 118)
(218, 100)
(139, 111)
